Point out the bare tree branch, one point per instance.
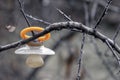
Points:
(64, 25)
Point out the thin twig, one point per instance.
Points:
(103, 14)
(68, 18)
(112, 7)
(114, 53)
(36, 19)
(80, 57)
(23, 13)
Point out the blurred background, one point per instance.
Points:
(98, 63)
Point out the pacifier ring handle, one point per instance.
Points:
(24, 32)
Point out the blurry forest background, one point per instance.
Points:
(98, 62)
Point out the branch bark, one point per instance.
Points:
(64, 25)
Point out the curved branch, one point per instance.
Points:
(64, 25)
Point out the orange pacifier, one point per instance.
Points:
(34, 48)
(24, 32)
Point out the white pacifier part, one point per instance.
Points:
(35, 50)
(34, 59)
